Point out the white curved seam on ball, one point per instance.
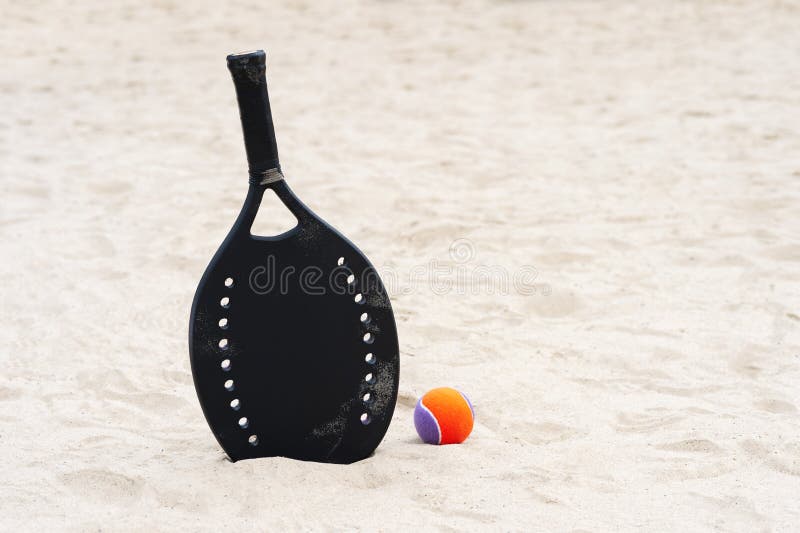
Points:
(469, 404)
(438, 429)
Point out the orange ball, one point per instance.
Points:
(444, 416)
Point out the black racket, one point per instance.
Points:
(292, 338)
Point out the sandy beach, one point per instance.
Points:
(631, 168)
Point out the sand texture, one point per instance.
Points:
(637, 162)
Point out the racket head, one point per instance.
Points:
(293, 342)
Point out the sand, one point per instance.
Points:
(638, 163)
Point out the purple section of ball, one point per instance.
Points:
(426, 425)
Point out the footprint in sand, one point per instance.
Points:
(690, 445)
(771, 405)
(104, 484)
(557, 303)
(784, 459)
(645, 422)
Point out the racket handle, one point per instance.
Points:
(247, 70)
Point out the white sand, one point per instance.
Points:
(644, 158)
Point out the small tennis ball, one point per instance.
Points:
(443, 416)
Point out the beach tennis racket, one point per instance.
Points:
(292, 339)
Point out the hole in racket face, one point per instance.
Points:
(272, 218)
(365, 418)
(229, 282)
(370, 358)
(340, 261)
(243, 422)
(368, 338)
(253, 440)
(223, 323)
(229, 385)
(225, 302)
(236, 404)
